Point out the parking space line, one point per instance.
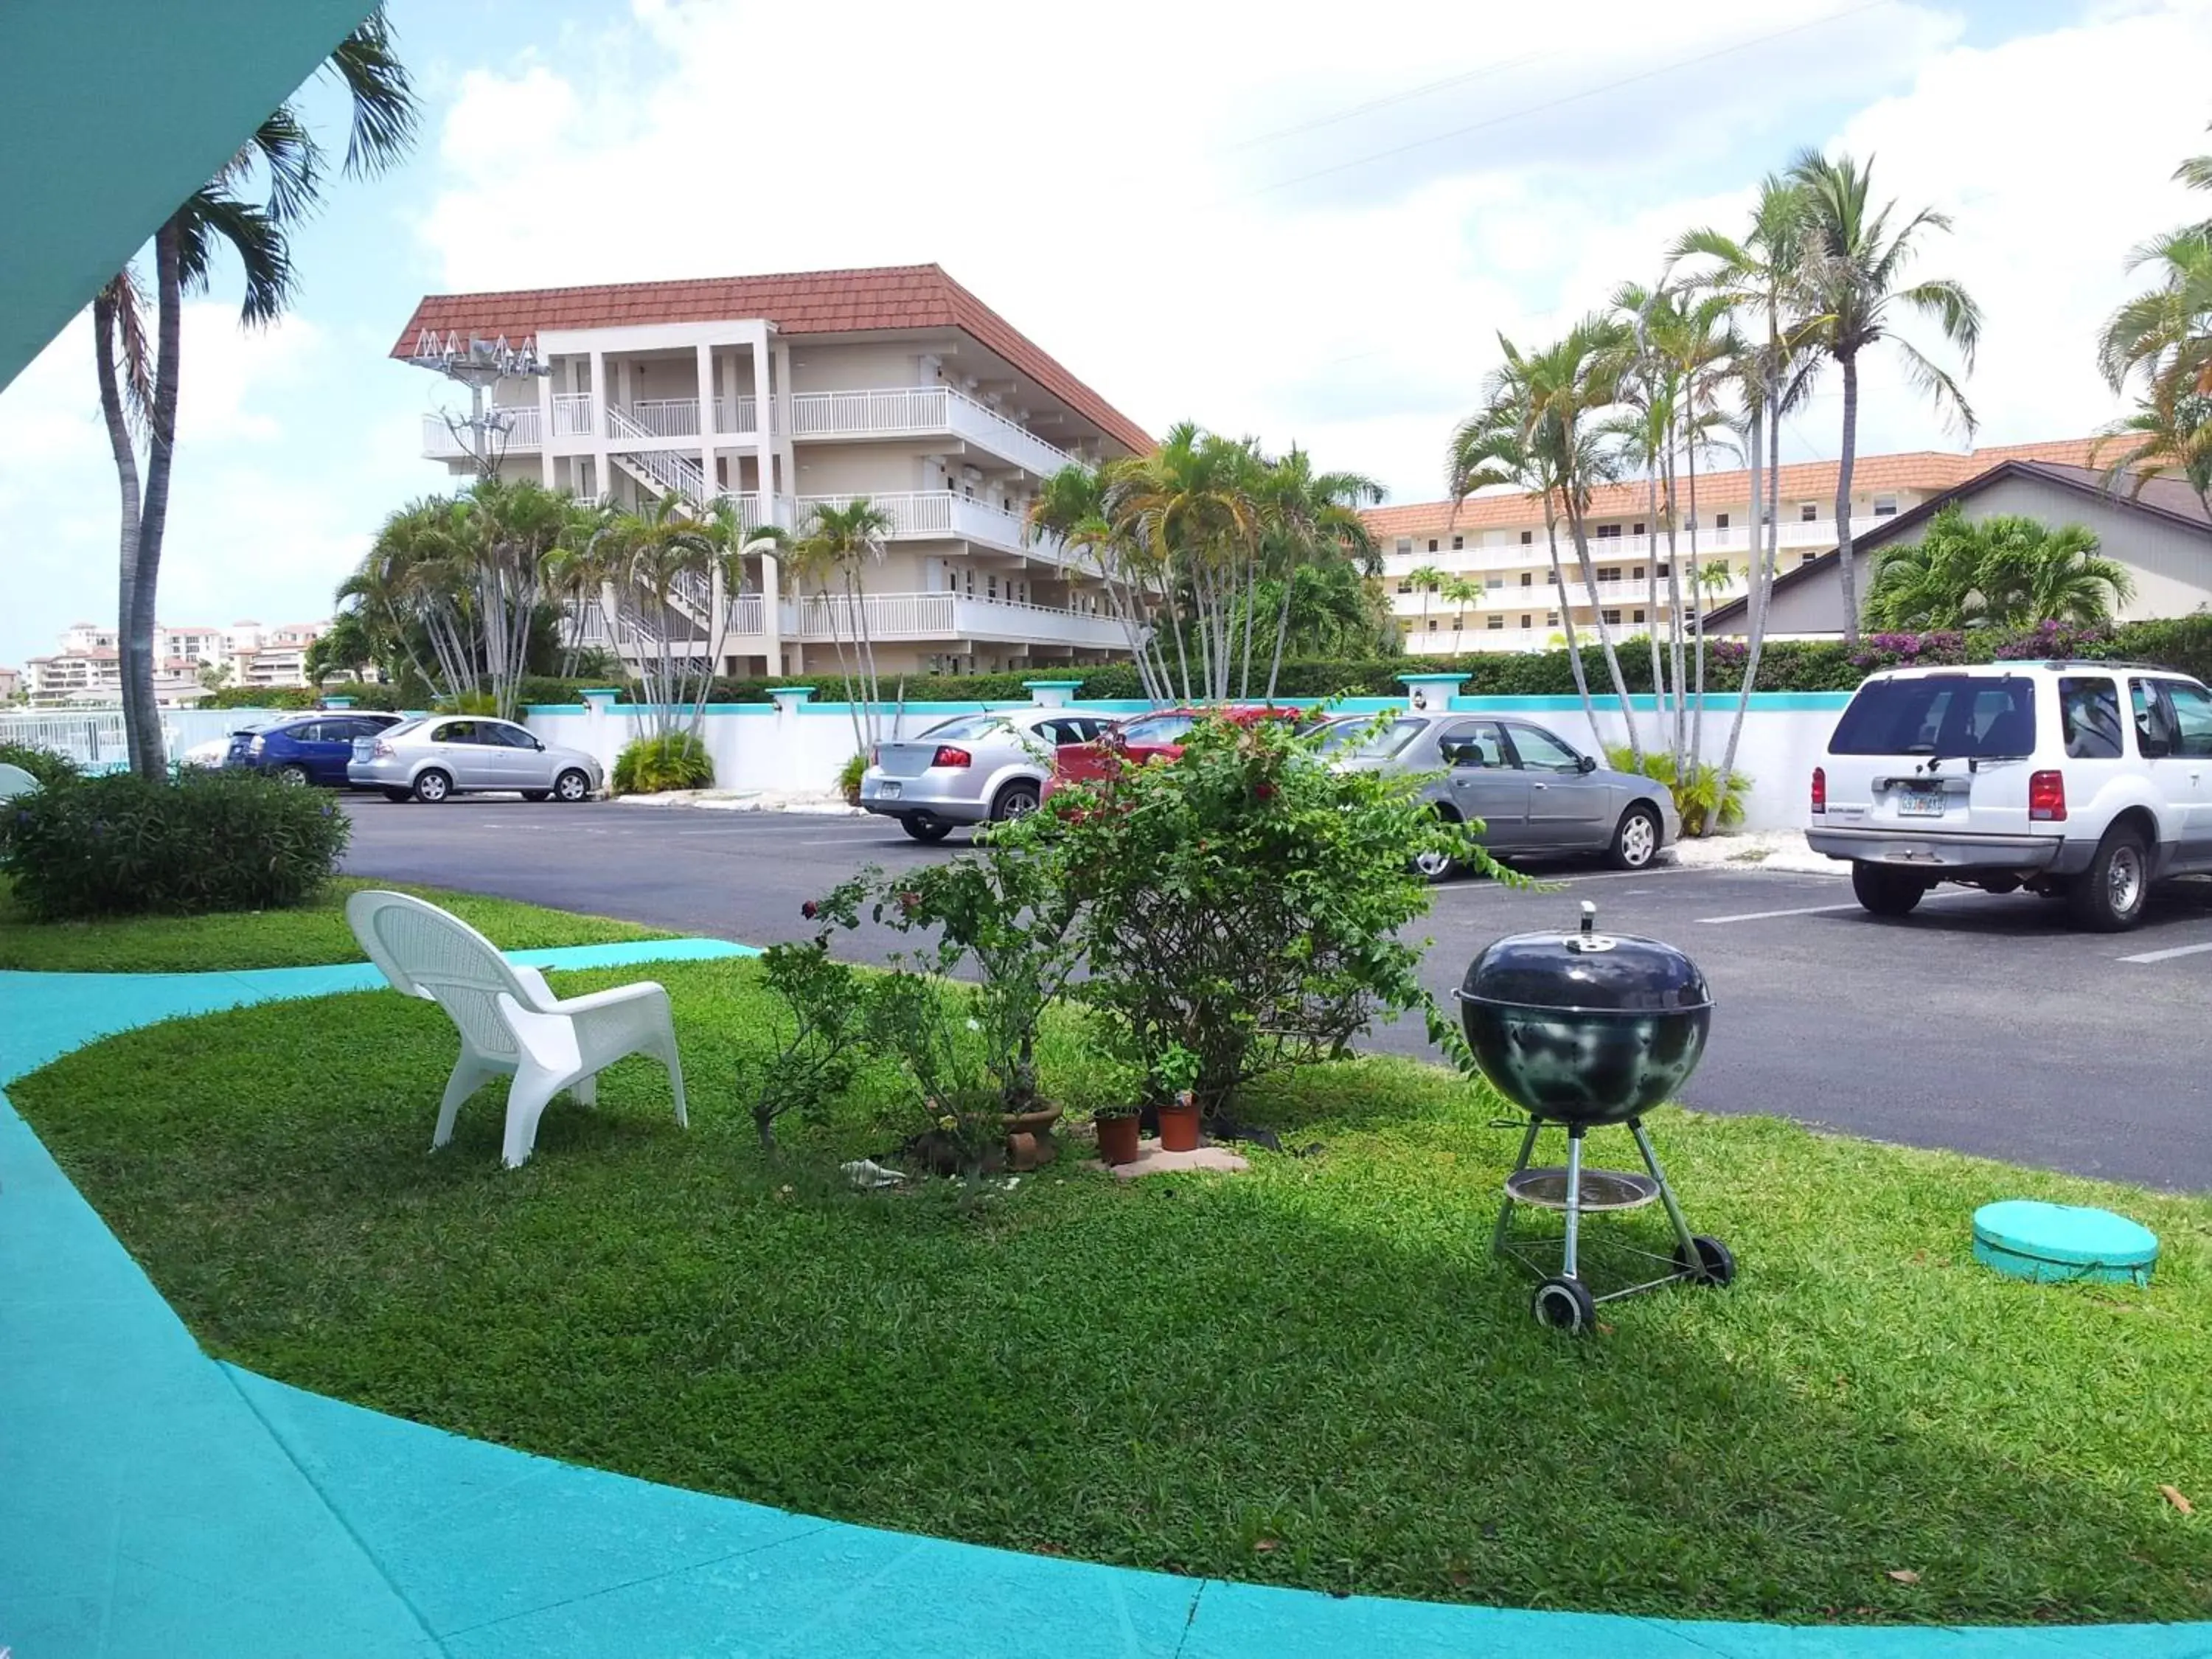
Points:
(1770, 915)
(2170, 953)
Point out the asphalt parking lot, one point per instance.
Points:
(1980, 1023)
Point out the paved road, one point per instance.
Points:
(1980, 1023)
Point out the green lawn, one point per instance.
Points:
(303, 936)
(1310, 1375)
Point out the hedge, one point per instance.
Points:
(2184, 643)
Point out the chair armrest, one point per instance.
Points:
(541, 994)
(643, 991)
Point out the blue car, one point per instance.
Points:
(306, 748)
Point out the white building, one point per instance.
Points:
(87, 669)
(11, 683)
(1497, 546)
(783, 391)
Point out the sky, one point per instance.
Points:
(1311, 230)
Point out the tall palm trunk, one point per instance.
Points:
(1849, 364)
(1251, 617)
(1675, 614)
(1763, 416)
(1651, 601)
(1697, 598)
(1579, 529)
(1567, 625)
(1282, 627)
(125, 452)
(142, 716)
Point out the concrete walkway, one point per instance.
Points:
(155, 1501)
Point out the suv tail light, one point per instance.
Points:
(947, 755)
(2047, 797)
(1819, 789)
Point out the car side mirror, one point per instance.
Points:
(1589, 763)
(537, 743)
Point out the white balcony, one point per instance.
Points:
(923, 412)
(517, 431)
(1611, 549)
(947, 515)
(935, 617)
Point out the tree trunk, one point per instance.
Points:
(142, 716)
(1682, 756)
(1651, 601)
(1567, 623)
(1754, 599)
(126, 454)
(1580, 531)
(1697, 599)
(1844, 572)
(1282, 628)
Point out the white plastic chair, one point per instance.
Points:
(511, 1023)
(14, 780)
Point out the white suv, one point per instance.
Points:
(2080, 781)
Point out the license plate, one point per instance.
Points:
(1920, 800)
(887, 791)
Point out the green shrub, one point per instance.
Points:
(675, 760)
(212, 840)
(849, 778)
(388, 698)
(50, 766)
(1243, 905)
(1698, 797)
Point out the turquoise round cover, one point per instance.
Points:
(2064, 1232)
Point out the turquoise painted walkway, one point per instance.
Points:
(154, 1502)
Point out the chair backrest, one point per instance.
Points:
(427, 952)
(14, 780)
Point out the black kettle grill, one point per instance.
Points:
(1583, 1030)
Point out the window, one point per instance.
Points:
(1884, 506)
(1496, 623)
(1158, 728)
(1541, 752)
(1477, 742)
(1720, 520)
(1665, 571)
(1550, 579)
(1405, 584)
(499, 734)
(1458, 542)
(1612, 618)
(963, 726)
(1524, 620)
(1608, 533)
(1636, 616)
(1527, 579)
(1609, 572)
(2091, 712)
(455, 731)
(1433, 624)
(1638, 530)
(1638, 574)
(1947, 716)
(1527, 537)
(1551, 619)
(1356, 738)
(991, 586)
(1491, 582)
(1404, 543)
(1433, 544)
(1808, 511)
(1807, 558)
(2193, 717)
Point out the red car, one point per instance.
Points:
(1142, 737)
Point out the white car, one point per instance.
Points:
(2085, 781)
(434, 757)
(970, 769)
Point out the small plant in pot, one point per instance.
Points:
(1119, 1135)
(1174, 1076)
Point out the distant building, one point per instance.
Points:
(11, 683)
(87, 669)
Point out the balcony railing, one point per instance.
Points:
(891, 616)
(923, 410)
(924, 514)
(572, 415)
(518, 432)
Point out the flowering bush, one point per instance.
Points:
(212, 840)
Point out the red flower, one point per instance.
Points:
(909, 901)
(1264, 791)
(810, 909)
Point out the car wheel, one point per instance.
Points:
(1013, 801)
(1887, 892)
(572, 786)
(538, 794)
(399, 794)
(294, 776)
(432, 786)
(1434, 866)
(2108, 896)
(924, 827)
(1636, 839)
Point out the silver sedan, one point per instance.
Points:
(1533, 792)
(440, 756)
(970, 769)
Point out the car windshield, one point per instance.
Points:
(1942, 716)
(1158, 728)
(1360, 739)
(968, 726)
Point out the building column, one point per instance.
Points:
(707, 424)
(545, 426)
(601, 484)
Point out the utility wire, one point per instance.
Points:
(1389, 98)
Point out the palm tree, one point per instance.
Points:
(1311, 520)
(834, 549)
(1759, 278)
(2006, 572)
(1190, 505)
(2165, 438)
(137, 370)
(1459, 593)
(1427, 581)
(1074, 504)
(1853, 282)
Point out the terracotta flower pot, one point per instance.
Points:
(1179, 1127)
(1117, 1139)
(1029, 1143)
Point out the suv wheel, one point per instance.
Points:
(1887, 892)
(2108, 896)
(1636, 839)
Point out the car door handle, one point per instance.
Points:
(1540, 786)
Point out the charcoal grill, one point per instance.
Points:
(1585, 1030)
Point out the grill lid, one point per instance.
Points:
(1587, 971)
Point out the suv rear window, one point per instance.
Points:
(1975, 717)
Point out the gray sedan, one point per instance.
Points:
(970, 769)
(432, 758)
(1533, 792)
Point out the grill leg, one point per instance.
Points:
(1505, 1209)
(1574, 1199)
(1682, 1234)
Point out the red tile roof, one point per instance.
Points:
(802, 302)
(1915, 470)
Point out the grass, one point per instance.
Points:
(1310, 1375)
(305, 936)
